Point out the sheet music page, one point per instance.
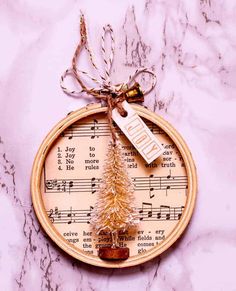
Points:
(72, 175)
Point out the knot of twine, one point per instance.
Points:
(112, 94)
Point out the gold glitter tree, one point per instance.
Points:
(114, 210)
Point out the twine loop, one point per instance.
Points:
(112, 94)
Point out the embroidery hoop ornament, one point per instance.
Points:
(71, 249)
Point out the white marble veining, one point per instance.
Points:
(191, 45)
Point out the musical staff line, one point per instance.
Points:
(140, 184)
(96, 129)
(146, 213)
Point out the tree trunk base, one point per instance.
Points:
(113, 253)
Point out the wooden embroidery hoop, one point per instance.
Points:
(71, 249)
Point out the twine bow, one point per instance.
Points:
(112, 94)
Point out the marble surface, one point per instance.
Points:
(191, 46)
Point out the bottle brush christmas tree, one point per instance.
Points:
(114, 210)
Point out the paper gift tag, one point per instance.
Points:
(149, 147)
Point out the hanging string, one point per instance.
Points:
(104, 90)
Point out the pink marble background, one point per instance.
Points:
(191, 45)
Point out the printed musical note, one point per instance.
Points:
(168, 187)
(94, 128)
(70, 132)
(178, 211)
(165, 211)
(151, 189)
(169, 176)
(89, 213)
(71, 185)
(145, 210)
(70, 215)
(93, 185)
